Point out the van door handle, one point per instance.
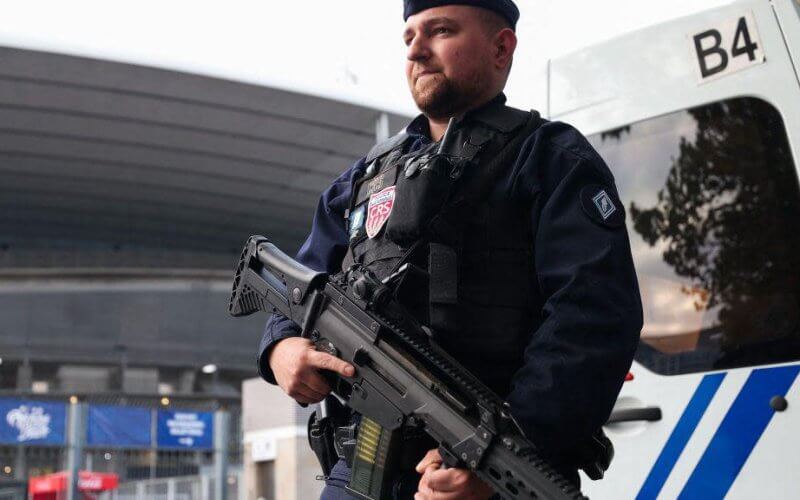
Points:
(649, 414)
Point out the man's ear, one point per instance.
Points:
(505, 42)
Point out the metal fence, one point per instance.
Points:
(12, 492)
(177, 488)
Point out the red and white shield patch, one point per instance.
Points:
(378, 210)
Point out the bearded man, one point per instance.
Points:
(529, 283)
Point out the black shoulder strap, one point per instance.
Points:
(449, 223)
(504, 119)
(384, 147)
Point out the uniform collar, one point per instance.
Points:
(419, 126)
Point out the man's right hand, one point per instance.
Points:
(296, 365)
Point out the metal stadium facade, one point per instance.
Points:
(126, 193)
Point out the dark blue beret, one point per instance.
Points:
(505, 8)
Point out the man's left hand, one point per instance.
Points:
(448, 484)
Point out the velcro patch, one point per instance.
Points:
(602, 206)
(357, 220)
(370, 186)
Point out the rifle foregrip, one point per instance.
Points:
(523, 474)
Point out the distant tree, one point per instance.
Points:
(615, 133)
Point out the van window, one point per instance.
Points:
(713, 213)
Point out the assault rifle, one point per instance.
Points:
(402, 378)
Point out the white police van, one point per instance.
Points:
(699, 119)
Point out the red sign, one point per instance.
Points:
(87, 481)
(97, 481)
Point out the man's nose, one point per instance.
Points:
(418, 49)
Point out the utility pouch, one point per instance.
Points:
(421, 191)
(409, 285)
(320, 439)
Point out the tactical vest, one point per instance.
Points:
(442, 211)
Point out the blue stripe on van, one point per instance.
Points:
(680, 436)
(738, 433)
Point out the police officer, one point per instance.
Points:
(529, 280)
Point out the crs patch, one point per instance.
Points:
(602, 206)
(378, 210)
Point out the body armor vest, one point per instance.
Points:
(469, 247)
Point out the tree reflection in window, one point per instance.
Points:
(727, 223)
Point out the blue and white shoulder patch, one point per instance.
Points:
(602, 206)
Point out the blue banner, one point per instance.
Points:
(185, 429)
(119, 426)
(32, 422)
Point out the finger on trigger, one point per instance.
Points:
(327, 362)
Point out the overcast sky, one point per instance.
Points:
(349, 49)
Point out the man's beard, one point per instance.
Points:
(444, 98)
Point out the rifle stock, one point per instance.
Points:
(268, 280)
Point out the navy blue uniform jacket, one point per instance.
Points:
(577, 358)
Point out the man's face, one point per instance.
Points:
(449, 63)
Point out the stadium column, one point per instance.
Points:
(21, 464)
(75, 438)
(221, 427)
(24, 375)
(382, 128)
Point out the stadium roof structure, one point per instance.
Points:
(127, 193)
(137, 165)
